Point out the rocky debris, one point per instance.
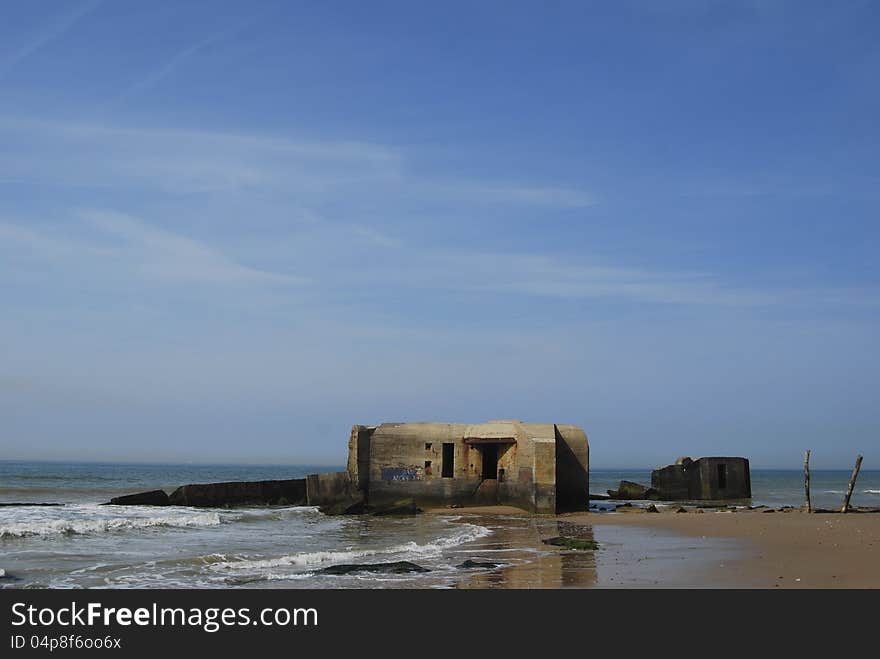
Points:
(5, 576)
(629, 490)
(244, 493)
(360, 507)
(681, 510)
(396, 567)
(571, 543)
(403, 507)
(151, 498)
(651, 509)
(26, 504)
(469, 564)
(345, 507)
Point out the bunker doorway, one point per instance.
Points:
(490, 461)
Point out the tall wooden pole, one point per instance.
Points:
(852, 484)
(807, 479)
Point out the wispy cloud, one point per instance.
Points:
(488, 192)
(48, 33)
(178, 58)
(128, 245)
(183, 162)
(194, 162)
(525, 277)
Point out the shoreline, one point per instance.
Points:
(723, 549)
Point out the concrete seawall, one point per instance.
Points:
(314, 490)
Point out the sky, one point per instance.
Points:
(229, 231)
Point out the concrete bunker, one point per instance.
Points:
(710, 478)
(539, 467)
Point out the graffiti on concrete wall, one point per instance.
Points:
(402, 474)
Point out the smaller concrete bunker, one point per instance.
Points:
(709, 478)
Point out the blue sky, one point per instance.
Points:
(229, 231)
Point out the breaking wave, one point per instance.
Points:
(88, 526)
(464, 533)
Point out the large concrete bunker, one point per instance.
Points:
(542, 468)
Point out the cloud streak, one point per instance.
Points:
(182, 162)
(121, 244)
(49, 33)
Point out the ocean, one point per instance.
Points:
(83, 544)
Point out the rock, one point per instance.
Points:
(630, 490)
(241, 493)
(571, 543)
(769, 510)
(347, 507)
(469, 564)
(5, 576)
(681, 510)
(151, 498)
(600, 497)
(404, 507)
(360, 507)
(651, 509)
(396, 567)
(26, 504)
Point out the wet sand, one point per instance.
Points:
(781, 549)
(744, 549)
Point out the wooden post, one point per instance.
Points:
(852, 484)
(807, 479)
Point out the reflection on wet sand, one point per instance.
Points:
(516, 543)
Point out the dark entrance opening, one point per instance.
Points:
(448, 460)
(490, 461)
(722, 477)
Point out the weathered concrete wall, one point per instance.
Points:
(329, 488)
(544, 465)
(572, 469)
(399, 457)
(359, 456)
(220, 495)
(674, 483)
(738, 483)
(151, 498)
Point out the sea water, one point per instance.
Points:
(85, 544)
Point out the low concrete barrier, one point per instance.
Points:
(241, 493)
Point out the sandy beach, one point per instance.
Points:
(742, 549)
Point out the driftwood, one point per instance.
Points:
(807, 480)
(852, 484)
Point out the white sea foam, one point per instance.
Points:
(54, 527)
(462, 534)
(872, 491)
